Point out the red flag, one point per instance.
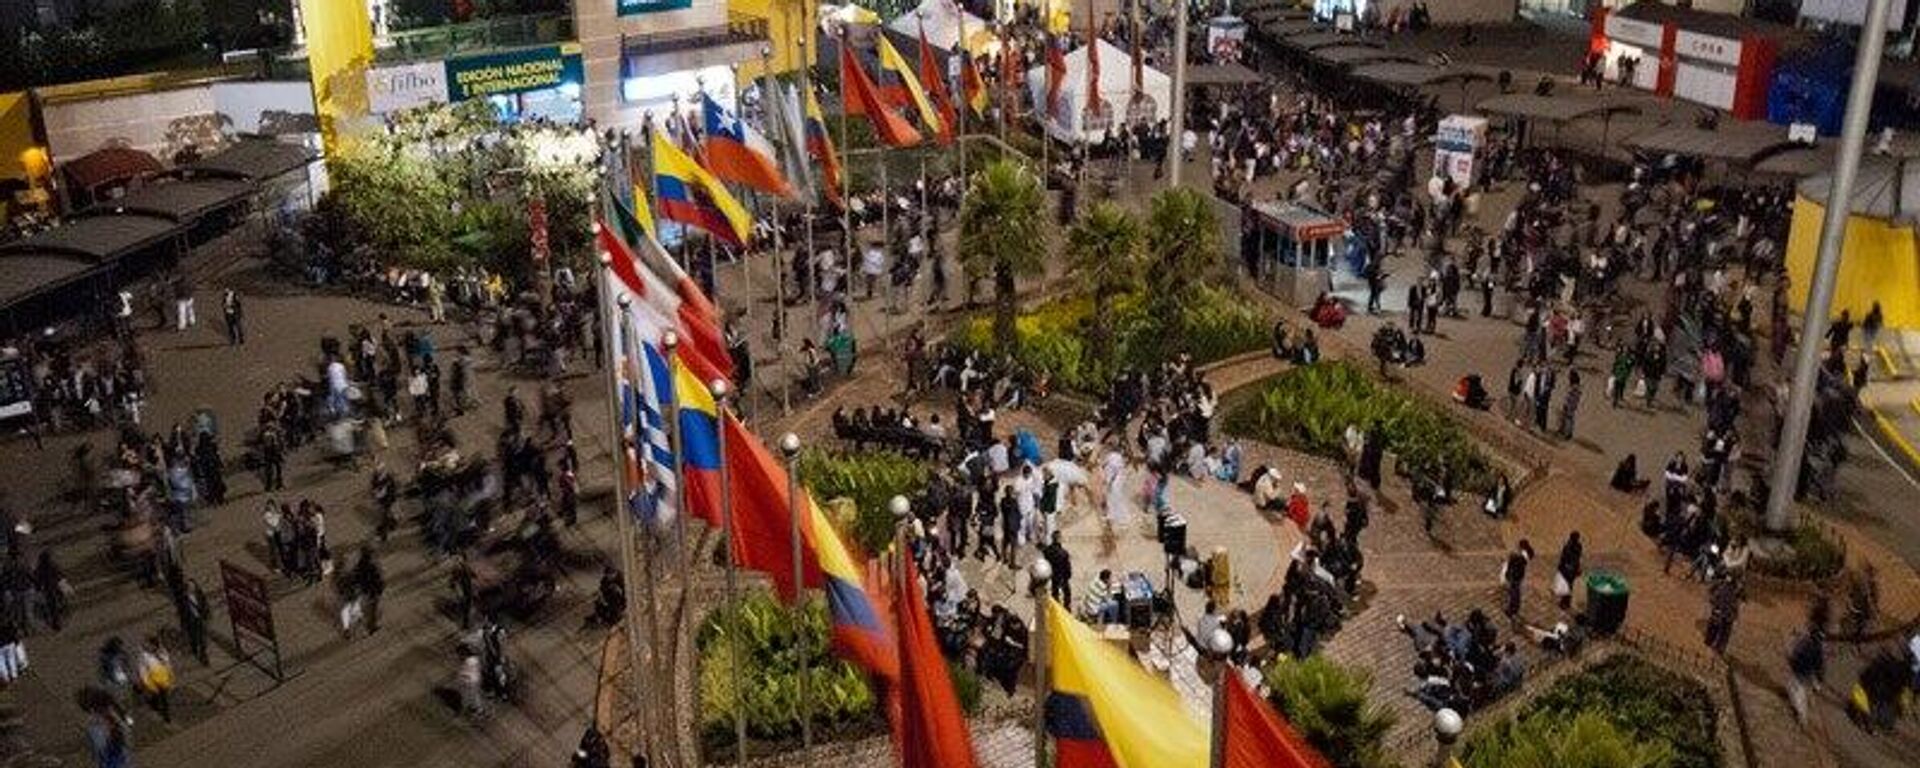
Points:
(1256, 737)
(762, 537)
(935, 79)
(1093, 68)
(1056, 72)
(930, 731)
(859, 97)
(972, 87)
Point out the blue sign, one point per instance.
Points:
(638, 7)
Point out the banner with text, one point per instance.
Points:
(510, 72)
(637, 7)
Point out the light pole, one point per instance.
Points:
(1179, 99)
(1039, 576)
(790, 449)
(1446, 730)
(1833, 229)
(1220, 642)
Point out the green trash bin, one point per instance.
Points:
(1607, 595)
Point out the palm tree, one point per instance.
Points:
(1328, 704)
(1001, 234)
(1183, 242)
(1103, 246)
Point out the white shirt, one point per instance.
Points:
(337, 376)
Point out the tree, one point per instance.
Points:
(1550, 740)
(1183, 242)
(1328, 704)
(1001, 234)
(1103, 247)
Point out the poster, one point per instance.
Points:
(511, 72)
(638, 7)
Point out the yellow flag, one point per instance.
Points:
(1139, 718)
(643, 213)
(892, 61)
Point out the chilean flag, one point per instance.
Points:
(737, 152)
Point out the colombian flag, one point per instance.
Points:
(892, 63)
(860, 630)
(737, 152)
(820, 146)
(699, 424)
(1105, 711)
(689, 194)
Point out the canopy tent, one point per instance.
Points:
(255, 160)
(1740, 143)
(97, 238)
(27, 275)
(1356, 55)
(184, 201)
(1552, 109)
(1116, 89)
(1402, 74)
(1316, 40)
(1881, 252)
(942, 20)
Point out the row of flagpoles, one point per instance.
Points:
(684, 454)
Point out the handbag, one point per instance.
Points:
(1560, 586)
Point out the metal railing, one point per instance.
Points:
(454, 39)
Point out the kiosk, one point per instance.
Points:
(1292, 249)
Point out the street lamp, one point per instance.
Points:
(1446, 729)
(1039, 576)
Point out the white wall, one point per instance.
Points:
(164, 122)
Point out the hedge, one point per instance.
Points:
(1647, 703)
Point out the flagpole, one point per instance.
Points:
(1039, 578)
(846, 147)
(1179, 98)
(644, 712)
(719, 389)
(806, 89)
(772, 102)
(790, 448)
(1219, 645)
(670, 346)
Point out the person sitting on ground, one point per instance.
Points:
(1471, 392)
(1327, 312)
(1268, 494)
(1626, 476)
(1102, 598)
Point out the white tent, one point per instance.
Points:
(942, 19)
(1116, 89)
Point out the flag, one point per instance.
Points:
(820, 146)
(678, 305)
(643, 215)
(972, 86)
(936, 80)
(790, 120)
(691, 195)
(860, 97)
(892, 63)
(1093, 68)
(699, 423)
(636, 223)
(651, 470)
(930, 731)
(860, 629)
(761, 539)
(1105, 711)
(1256, 736)
(1056, 75)
(737, 152)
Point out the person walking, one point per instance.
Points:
(1807, 660)
(194, 613)
(1567, 571)
(54, 589)
(1723, 607)
(156, 678)
(233, 313)
(369, 583)
(1009, 527)
(183, 315)
(1570, 405)
(1062, 562)
(1514, 575)
(108, 739)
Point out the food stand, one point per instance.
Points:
(1291, 249)
(1456, 148)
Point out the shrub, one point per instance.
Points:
(1212, 325)
(1328, 704)
(1588, 740)
(1309, 408)
(1644, 703)
(1810, 555)
(770, 677)
(869, 479)
(966, 687)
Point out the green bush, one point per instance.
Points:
(1309, 408)
(1587, 740)
(966, 687)
(1809, 556)
(869, 479)
(1328, 704)
(1645, 703)
(770, 677)
(1213, 325)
